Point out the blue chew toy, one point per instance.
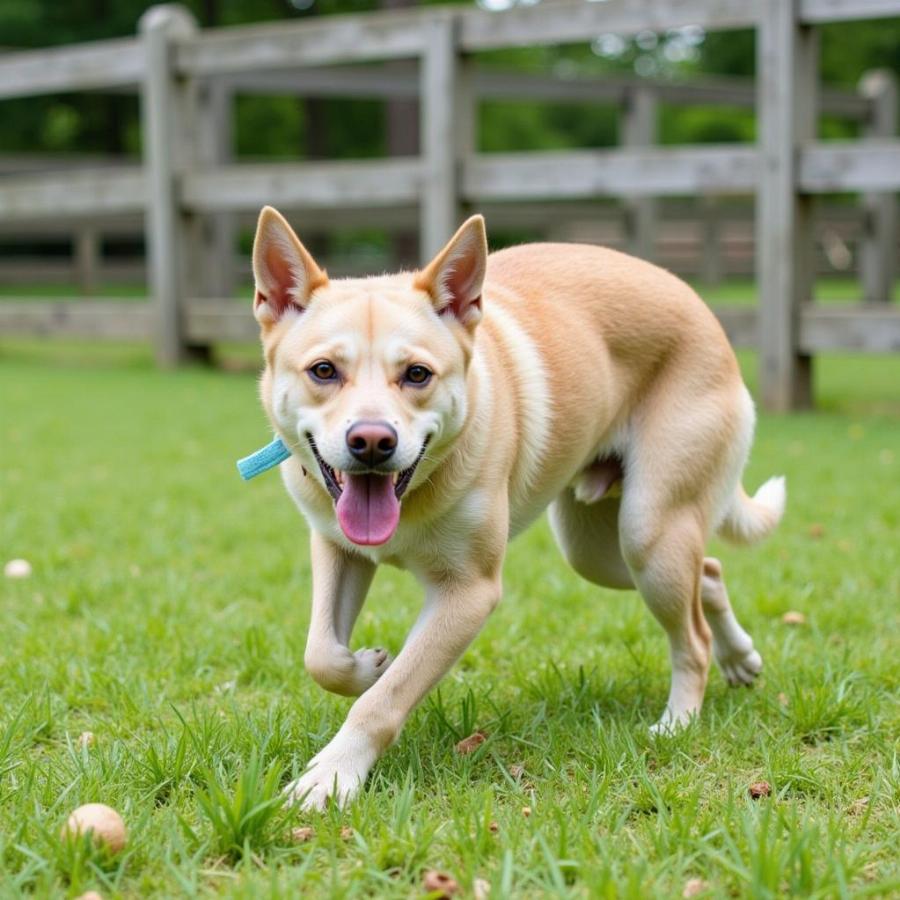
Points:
(264, 459)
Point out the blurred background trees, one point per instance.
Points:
(285, 127)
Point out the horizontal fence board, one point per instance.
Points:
(574, 21)
(819, 12)
(866, 329)
(101, 64)
(867, 165)
(589, 173)
(75, 193)
(824, 329)
(306, 185)
(122, 320)
(208, 321)
(286, 45)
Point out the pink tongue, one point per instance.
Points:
(368, 509)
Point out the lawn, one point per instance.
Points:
(167, 612)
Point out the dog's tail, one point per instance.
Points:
(750, 519)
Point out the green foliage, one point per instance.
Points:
(167, 614)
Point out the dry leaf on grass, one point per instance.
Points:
(346, 833)
(481, 889)
(471, 743)
(793, 618)
(439, 881)
(759, 789)
(302, 834)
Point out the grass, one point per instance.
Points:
(167, 615)
(734, 291)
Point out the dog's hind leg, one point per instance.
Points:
(665, 556)
(732, 646)
(340, 583)
(588, 536)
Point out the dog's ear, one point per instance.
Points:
(285, 273)
(454, 278)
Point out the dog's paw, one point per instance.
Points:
(370, 666)
(740, 667)
(336, 773)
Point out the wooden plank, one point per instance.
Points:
(823, 329)
(863, 329)
(866, 165)
(123, 320)
(741, 324)
(165, 126)
(79, 67)
(63, 194)
(209, 320)
(785, 65)
(490, 82)
(638, 130)
(878, 249)
(819, 12)
(440, 209)
(304, 185)
(726, 169)
(287, 45)
(573, 21)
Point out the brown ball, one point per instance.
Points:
(101, 821)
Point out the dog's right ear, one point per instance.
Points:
(285, 273)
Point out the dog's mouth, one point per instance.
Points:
(367, 503)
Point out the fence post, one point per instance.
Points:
(639, 130)
(218, 238)
(440, 188)
(712, 267)
(787, 75)
(87, 259)
(879, 243)
(166, 136)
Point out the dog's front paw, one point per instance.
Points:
(370, 666)
(336, 773)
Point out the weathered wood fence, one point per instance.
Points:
(187, 189)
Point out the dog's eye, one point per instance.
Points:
(323, 371)
(417, 375)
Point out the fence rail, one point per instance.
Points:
(186, 78)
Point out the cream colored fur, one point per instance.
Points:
(566, 377)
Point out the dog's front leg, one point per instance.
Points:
(341, 581)
(453, 614)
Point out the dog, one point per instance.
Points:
(433, 415)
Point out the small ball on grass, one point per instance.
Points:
(17, 568)
(102, 822)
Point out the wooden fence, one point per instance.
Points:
(188, 190)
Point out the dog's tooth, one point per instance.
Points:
(395, 477)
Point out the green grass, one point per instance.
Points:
(734, 291)
(167, 614)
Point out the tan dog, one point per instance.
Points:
(426, 431)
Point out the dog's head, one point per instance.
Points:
(365, 378)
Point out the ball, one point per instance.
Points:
(17, 568)
(103, 823)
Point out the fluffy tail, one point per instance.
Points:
(750, 519)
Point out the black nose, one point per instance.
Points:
(372, 443)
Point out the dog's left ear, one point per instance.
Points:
(454, 278)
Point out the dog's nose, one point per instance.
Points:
(372, 442)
